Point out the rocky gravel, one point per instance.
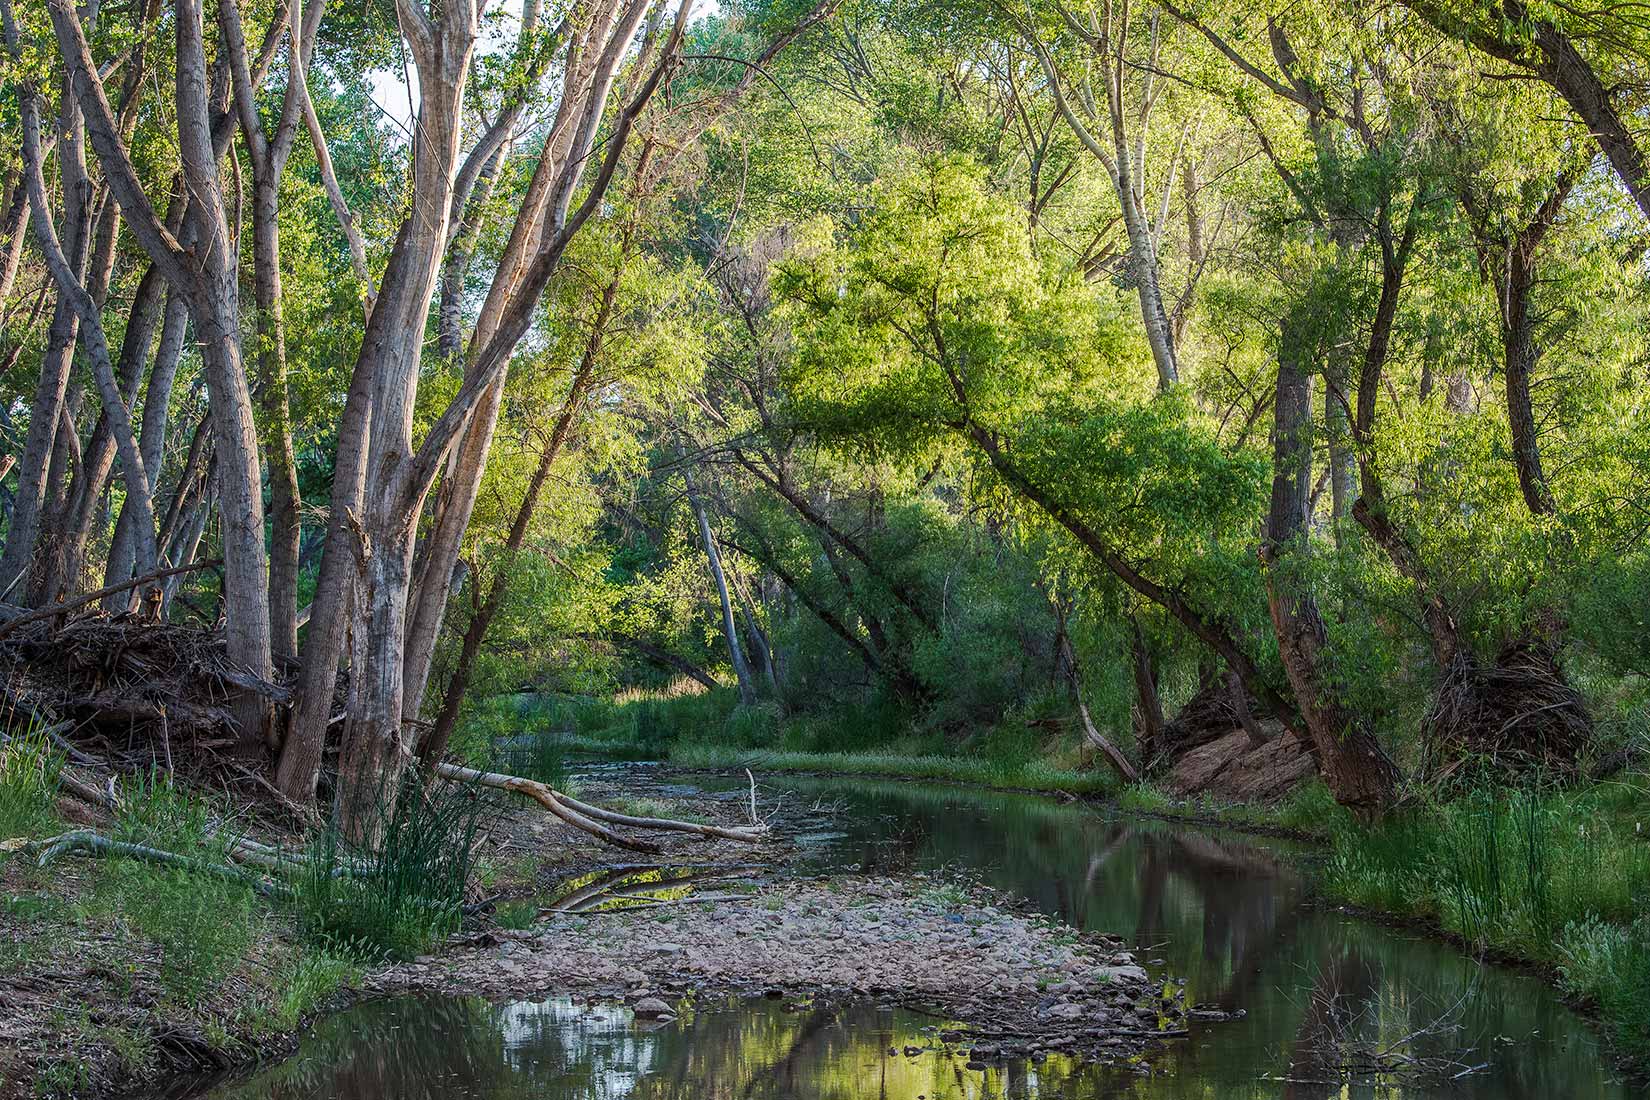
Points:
(1008, 983)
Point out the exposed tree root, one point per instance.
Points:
(86, 842)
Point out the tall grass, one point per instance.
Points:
(1557, 877)
(29, 765)
(399, 899)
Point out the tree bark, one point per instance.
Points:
(730, 629)
(208, 276)
(1359, 773)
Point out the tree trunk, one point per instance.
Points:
(51, 386)
(1356, 768)
(730, 630)
(157, 400)
(1148, 704)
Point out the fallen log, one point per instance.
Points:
(87, 842)
(747, 836)
(582, 815)
(547, 798)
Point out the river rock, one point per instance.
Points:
(651, 1008)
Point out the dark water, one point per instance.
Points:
(1333, 1006)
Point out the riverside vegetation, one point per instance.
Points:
(1236, 409)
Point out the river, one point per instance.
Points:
(1331, 1005)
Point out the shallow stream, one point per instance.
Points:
(1332, 1005)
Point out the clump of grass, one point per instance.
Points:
(303, 981)
(155, 811)
(1552, 877)
(520, 913)
(203, 926)
(398, 899)
(1504, 869)
(29, 766)
(1609, 966)
(539, 755)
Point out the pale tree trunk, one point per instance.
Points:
(51, 385)
(208, 275)
(433, 744)
(375, 751)
(730, 629)
(1124, 158)
(541, 218)
(97, 459)
(15, 232)
(268, 155)
(157, 399)
(70, 289)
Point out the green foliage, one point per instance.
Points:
(1035, 775)
(1608, 965)
(1504, 869)
(303, 983)
(399, 898)
(29, 764)
(155, 811)
(203, 926)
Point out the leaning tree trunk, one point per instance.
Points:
(1358, 771)
(730, 629)
(51, 385)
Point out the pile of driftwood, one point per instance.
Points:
(134, 692)
(1517, 716)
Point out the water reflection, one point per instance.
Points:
(419, 1049)
(1332, 1006)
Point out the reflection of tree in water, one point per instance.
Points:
(410, 1049)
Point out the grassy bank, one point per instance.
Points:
(710, 729)
(1559, 879)
(118, 971)
(1032, 775)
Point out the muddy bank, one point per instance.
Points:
(1012, 984)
